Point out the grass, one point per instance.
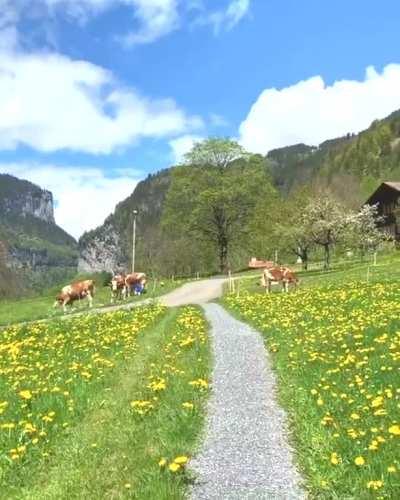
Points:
(387, 269)
(97, 402)
(335, 347)
(35, 308)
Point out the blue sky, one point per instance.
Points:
(95, 94)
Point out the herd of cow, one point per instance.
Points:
(121, 285)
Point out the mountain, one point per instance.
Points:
(351, 167)
(34, 251)
(108, 247)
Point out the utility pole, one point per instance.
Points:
(135, 212)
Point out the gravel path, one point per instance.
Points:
(195, 292)
(245, 454)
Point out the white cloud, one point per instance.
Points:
(157, 18)
(151, 19)
(50, 102)
(312, 112)
(225, 19)
(183, 145)
(235, 12)
(84, 196)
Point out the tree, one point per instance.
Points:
(325, 221)
(212, 199)
(296, 234)
(278, 225)
(215, 152)
(362, 229)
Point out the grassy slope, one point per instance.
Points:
(112, 452)
(328, 347)
(31, 309)
(387, 268)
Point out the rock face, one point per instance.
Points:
(21, 198)
(102, 252)
(34, 252)
(108, 247)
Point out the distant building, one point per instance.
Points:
(387, 196)
(260, 264)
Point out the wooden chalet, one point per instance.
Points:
(387, 197)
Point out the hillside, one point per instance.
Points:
(352, 166)
(34, 251)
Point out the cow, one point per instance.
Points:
(118, 287)
(75, 291)
(278, 275)
(134, 282)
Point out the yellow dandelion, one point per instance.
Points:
(174, 467)
(335, 459)
(395, 430)
(25, 394)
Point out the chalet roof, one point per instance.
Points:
(394, 185)
(385, 190)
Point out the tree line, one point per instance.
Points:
(222, 207)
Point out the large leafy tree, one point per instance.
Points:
(278, 225)
(213, 196)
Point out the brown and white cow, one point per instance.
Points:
(75, 291)
(119, 289)
(134, 279)
(278, 275)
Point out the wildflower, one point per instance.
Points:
(174, 467)
(188, 406)
(359, 461)
(395, 430)
(25, 394)
(162, 462)
(377, 402)
(391, 468)
(181, 460)
(374, 485)
(335, 459)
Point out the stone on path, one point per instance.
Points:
(245, 454)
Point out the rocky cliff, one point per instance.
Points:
(33, 249)
(22, 198)
(108, 247)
